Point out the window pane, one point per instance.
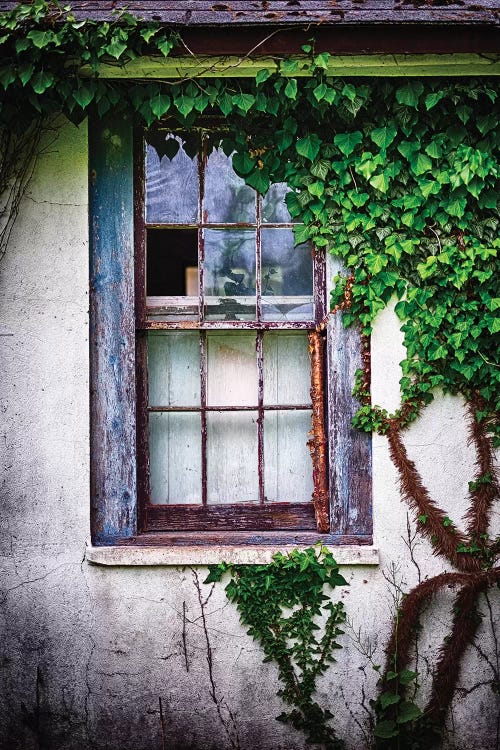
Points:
(232, 377)
(287, 462)
(287, 277)
(175, 457)
(229, 274)
(274, 208)
(172, 186)
(286, 368)
(172, 263)
(174, 368)
(232, 475)
(227, 199)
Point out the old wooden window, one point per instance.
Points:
(226, 314)
(200, 373)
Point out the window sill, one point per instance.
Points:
(211, 555)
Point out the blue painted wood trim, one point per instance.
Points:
(112, 331)
(349, 450)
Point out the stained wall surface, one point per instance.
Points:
(89, 652)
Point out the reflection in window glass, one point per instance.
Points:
(229, 274)
(274, 208)
(172, 187)
(227, 199)
(287, 277)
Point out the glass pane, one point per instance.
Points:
(287, 277)
(286, 368)
(232, 475)
(229, 274)
(232, 377)
(274, 208)
(175, 457)
(174, 368)
(227, 199)
(287, 462)
(172, 186)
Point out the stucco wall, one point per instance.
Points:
(88, 651)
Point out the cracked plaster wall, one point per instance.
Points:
(87, 651)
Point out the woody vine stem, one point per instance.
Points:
(397, 178)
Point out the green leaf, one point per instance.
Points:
(320, 91)
(25, 72)
(291, 88)
(160, 104)
(383, 137)
(407, 676)
(320, 169)
(321, 60)
(7, 76)
(386, 729)
(259, 179)
(243, 163)
(243, 101)
(408, 711)
(262, 76)
(116, 48)
(347, 142)
(165, 45)
(380, 182)
(83, 96)
(308, 146)
(41, 81)
(410, 93)
(41, 39)
(432, 99)
(388, 699)
(184, 104)
(421, 164)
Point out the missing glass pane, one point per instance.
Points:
(171, 256)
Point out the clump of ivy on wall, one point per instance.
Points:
(399, 179)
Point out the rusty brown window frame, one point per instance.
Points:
(278, 517)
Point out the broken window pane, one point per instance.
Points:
(172, 183)
(227, 200)
(274, 208)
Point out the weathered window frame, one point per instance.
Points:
(115, 471)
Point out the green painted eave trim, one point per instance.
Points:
(343, 65)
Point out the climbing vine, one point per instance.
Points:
(399, 179)
(281, 604)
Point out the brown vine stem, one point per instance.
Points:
(484, 493)
(444, 536)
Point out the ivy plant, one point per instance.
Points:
(285, 607)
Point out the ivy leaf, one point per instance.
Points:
(243, 163)
(432, 99)
(291, 88)
(83, 96)
(320, 91)
(407, 676)
(262, 76)
(115, 48)
(25, 72)
(243, 101)
(380, 182)
(259, 179)
(7, 76)
(320, 169)
(301, 234)
(421, 164)
(383, 137)
(164, 45)
(347, 142)
(41, 39)
(457, 207)
(321, 60)
(41, 81)
(160, 104)
(308, 146)
(386, 729)
(388, 699)
(410, 93)
(408, 711)
(184, 104)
